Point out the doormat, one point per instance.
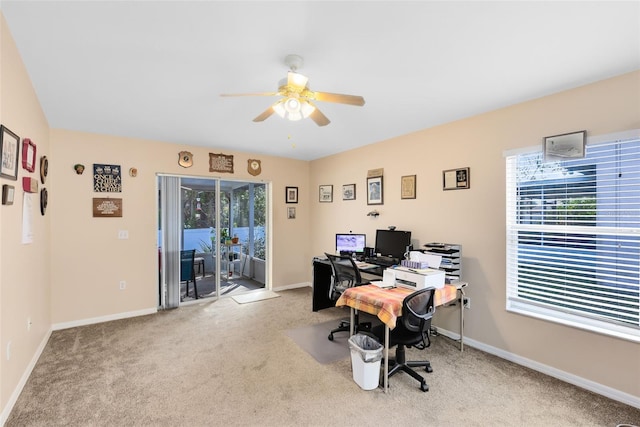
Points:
(254, 296)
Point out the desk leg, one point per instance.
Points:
(386, 358)
(352, 318)
(461, 319)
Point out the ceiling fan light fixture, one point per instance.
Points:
(293, 109)
(292, 105)
(306, 109)
(289, 109)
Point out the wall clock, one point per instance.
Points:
(254, 166)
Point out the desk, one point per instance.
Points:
(387, 305)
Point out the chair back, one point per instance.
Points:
(187, 271)
(417, 310)
(345, 274)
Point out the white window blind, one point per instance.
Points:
(573, 238)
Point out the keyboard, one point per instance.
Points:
(382, 261)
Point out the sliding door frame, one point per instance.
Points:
(169, 264)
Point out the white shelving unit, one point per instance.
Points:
(231, 256)
(451, 259)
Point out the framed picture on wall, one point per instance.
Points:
(408, 187)
(349, 192)
(565, 147)
(28, 155)
(455, 179)
(374, 191)
(10, 148)
(326, 193)
(291, 195)
(8, 194)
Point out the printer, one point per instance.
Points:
(413, 278)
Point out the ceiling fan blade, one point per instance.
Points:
(296, 80)
(265, 114)
(319, 118)
(252, 94)
(339, 98)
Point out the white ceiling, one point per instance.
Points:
(155, 69)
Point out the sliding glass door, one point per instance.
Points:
(225, 223)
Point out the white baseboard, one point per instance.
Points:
(94, 320)
(23, 379)
(595, 387)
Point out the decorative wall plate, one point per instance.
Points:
(185, 159)
(254, 167)
(44, 168)
(44, 200)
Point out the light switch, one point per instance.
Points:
(123, 234)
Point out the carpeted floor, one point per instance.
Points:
(228, 364)
(313, 340)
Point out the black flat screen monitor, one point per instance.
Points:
(350, 243)
(392, 243)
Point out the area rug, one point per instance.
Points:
(313, 340)
(254, 296)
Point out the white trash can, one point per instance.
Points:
(366, 354)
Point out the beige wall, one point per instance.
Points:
(89, 261)
(475, 217)
(25, 289)
(71, 273)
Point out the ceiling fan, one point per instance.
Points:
(297, 99)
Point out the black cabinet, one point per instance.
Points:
(321, 283)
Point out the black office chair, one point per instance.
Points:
(412, 330)
(345, 275)
(188, 271)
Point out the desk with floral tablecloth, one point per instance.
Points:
(387, 305)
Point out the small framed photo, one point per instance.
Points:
(28, 155)
(455, 179)
(408, 187)
(374, 191)
(9, 146)
(291, 213)
(326, 193)
(349, 192)
(291, 195)
(8, 193)
(565, 147)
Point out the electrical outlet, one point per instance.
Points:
(123, 234)
(123, 285)
(29, 323)
(467, 302)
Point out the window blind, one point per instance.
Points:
(573, 238)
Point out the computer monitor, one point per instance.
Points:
(392, 243)
(350, 243)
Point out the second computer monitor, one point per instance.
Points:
(350, 243)
(392, 243)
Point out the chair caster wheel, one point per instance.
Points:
(330, 337)
(428, 368)
(424, 387)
